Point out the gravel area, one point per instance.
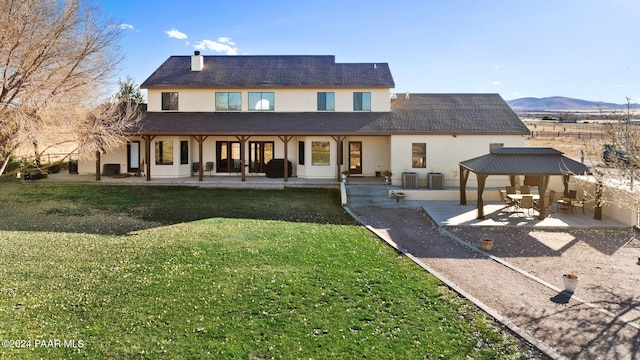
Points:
(599, 321)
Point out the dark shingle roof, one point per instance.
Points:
(525, 161)
(269, 71)
(420, 114)
(457, 114)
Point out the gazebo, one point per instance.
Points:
(536, 163)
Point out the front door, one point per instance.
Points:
(133, 156)
(355, 157)
(227, 156)
(260, 153)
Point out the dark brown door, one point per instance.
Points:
(355, 157)
(260, 153)
(227, 156)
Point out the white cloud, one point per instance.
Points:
(174, 33)
(226, 40)
(122, 27)
(496, 83)
(222, 45)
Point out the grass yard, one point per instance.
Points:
(124, 272)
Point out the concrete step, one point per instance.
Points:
(375, 195)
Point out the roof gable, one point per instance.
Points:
(269, 71)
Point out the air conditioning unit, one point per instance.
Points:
(436, 181)
(409, 180)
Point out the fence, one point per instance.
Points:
(49, 158)
(574, 135)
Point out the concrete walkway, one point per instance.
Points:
(442, 237)
(561, 325)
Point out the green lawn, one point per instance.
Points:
(178, 272)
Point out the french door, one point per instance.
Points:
(355, 157)
(227, 156)
(260, 153)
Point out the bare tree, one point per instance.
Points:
(619, 171)
(55, 59)
(107, 126)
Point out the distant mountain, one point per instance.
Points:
(561, 103)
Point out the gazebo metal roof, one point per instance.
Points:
(540, 162)
(525, 161)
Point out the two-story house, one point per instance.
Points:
(236, 113)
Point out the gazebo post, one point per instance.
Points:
(543, 183)
(565, 182)
(482, 178)
(464, 176)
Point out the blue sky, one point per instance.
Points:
(586, 49)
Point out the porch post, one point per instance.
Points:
(285, 139)
(147, 154)
(243, 141)
(339, 141)
(200, 139)
(481, 181)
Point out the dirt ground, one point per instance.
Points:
(571, 147)
(601, 320)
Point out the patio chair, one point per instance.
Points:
(579, 204)
(525, 190)
(195, 167)
(509, 203)
(527, 204)
(552, 196)
(208, 168)
(566, 203)
(510, 189)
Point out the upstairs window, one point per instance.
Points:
(361, 101)
(169, 101)
(228, 101)
(261, 101)
(326, 101)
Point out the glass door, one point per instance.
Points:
(227, 156)
(355, 157)
(260, 153)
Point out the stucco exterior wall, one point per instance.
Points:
(379, 153)
(444, 153)
(87, 163)
(286, 100)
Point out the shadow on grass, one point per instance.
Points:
(119, 210)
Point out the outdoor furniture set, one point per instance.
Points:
(524, 200)
(568, 203)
